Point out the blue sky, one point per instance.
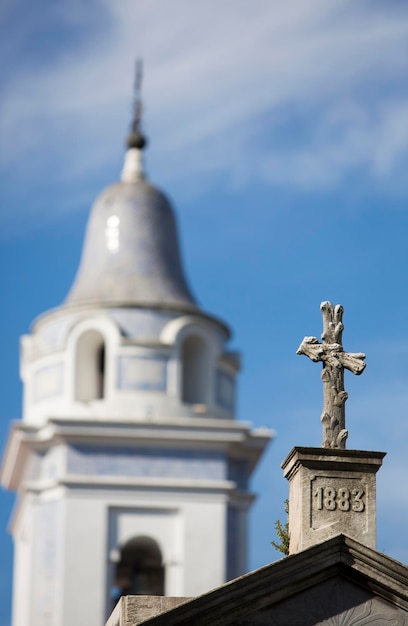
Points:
(280, 131)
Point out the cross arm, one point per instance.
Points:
(353, 361)
(311, 347)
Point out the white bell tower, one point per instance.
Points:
(130, 471)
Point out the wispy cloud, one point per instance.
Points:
(295, 94)
(349, 136)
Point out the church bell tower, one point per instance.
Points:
(130, 470)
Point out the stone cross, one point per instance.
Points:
(330, 352)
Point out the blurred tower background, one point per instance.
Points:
(130, 470)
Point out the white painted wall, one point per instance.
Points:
(190, 531)
(23, 565)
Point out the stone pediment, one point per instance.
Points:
(339, 583)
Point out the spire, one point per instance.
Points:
(136, 139)
(133, 164)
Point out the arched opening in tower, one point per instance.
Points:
(196, 371)
(140, 570)
(90, 367)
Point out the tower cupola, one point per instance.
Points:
(131, 254)
(130, 337)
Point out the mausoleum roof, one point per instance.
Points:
(339, 581)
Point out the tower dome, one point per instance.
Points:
(131, 252)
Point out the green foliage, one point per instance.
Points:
(282, 532)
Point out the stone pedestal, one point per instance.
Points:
(331, 491)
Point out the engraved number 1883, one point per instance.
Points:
(344, 499)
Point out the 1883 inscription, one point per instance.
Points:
(342, 498)
(336, 499)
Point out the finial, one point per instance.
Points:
(136, 138)
(133, 166)
(331, 353)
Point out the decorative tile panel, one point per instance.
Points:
(225, 390)
(239, 471)
(146, 462)
(233, 542)
(48, 382)
(140, 324)
(46, 552)
(142, 373)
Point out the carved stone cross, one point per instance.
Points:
(330, 352)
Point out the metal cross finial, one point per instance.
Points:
(136, 138)
(330, 352)
(137, 103)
